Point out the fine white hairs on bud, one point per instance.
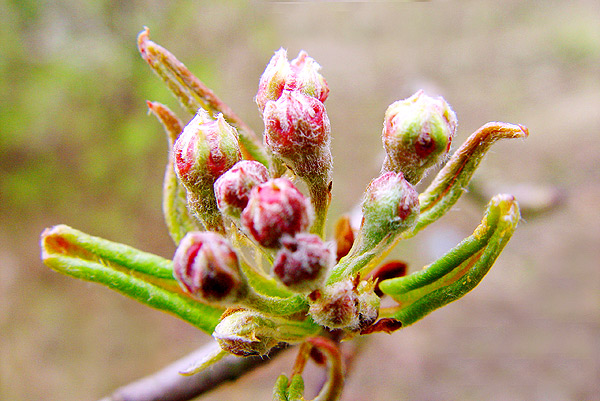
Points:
(417, 134)
(207, 268)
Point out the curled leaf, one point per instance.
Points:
(456, 273)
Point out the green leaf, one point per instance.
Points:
(459, 271)
(142, 276)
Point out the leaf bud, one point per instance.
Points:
(390, 206)
(275, 208)
(244, 332)
(207, 268)
(301, 74)
(203, 152)
(232, 189)
(417, 134)
(302, 261)
(297, 131)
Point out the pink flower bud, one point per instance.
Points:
(301, 74)
(275, 208)
(417, 134)
(204, 151)
(232, 189)
(307, 77)
(297, 130)
(302, 261)
(206, 267)
(390, 205)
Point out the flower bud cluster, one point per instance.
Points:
(297, 128)
(277, 216)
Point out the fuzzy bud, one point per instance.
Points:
(245, 332)
(345, 305)
(297, 131)
(203, 152)
(417, 134)
(390, 206)
(232, 189)
(302, 261)
(207, 267)
(301, 74)
(275, 208)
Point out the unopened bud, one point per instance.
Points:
(345, 305)
(232, 189)
(390, 206)
(301, 74)
(307, 77)
(275, 208)
(203, 152)
(207, 267)
(297, 130)
(417, 134)
(244, 332)
(302, 261)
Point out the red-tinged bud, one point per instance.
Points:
(302, 261)
(232, 189)
(297, 130)
(203, 152)
(301, 74)
(390, 206)
(275, 208)
(307, 77)
(417, 134)
(207, 267)
(345, 305)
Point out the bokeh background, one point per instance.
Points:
(77, 147)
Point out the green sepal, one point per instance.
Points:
(459, 271)
(178, 218)
(142, 276)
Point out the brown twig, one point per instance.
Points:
(169, 385)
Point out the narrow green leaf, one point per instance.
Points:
(452, 180)
(194, 94)
(457, 272)
(178, 218)
(142, 276)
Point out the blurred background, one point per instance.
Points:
(77, 147)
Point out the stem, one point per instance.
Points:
(169, 385)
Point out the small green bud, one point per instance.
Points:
(244, 332)
(390, 206)
(417, 134)
(205, 150)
